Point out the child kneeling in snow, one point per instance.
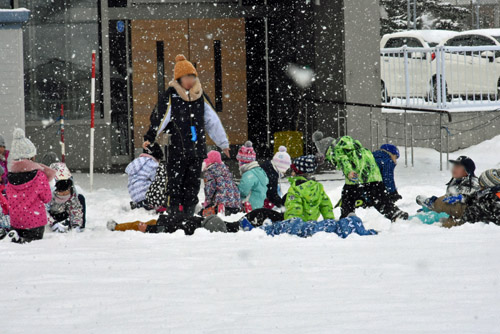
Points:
(141, 173)
(254, 181)
(221, 192)
(363, 181)
(461, 187)
(276, 169)
(28, 191)
(67, 208)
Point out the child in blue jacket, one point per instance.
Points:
(141, 173)
(253, 184)
(386, 158)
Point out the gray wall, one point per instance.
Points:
(362, 65)
(466, 129)
(11, 80)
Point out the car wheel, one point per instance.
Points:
(383, 94)
(434, 93)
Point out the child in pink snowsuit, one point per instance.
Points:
(28, 191)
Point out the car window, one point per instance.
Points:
(459, 41)
(394, 43)
(412, 42)
(482, 41)
(497, 38)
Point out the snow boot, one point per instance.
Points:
(14, 237)
(189, 210)
(427, 202)
(111, 225)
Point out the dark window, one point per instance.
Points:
(218, 75)
(482, 41)
(117, 3)
(58, 43)
(6, 4)
(394, 43)
(460, 41)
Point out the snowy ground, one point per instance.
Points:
(411, 278)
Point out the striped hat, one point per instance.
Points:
(281, 160)
(246, 154)
(490, 178)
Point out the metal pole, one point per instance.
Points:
(406, 141)
(412, 153)
(478, 24)
(371, 128)
(92, 118)
(268, 109)
(408, 14)
(63, 145)
(415, 14)
(447, 149)
(378, 129)
(440, 143)
(407, 76)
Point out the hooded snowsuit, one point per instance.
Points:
(220, 187)
(141, 173)
(306, 199)
(484, 206)
(254, 183)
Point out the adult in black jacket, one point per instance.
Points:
(185, 112)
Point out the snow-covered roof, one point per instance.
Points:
(430, 36)
(18, 15)
(485, 32)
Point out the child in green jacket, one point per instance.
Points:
(363, 181)
(306, 198)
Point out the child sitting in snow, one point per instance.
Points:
(386, 158)
(363, 181)
(66, 210)
(141, 173)
(28, 191)
(254, 181)
(461, 187)
(221, 192)
(4, 156)
(275, 169)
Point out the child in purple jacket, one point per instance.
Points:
(221, 192)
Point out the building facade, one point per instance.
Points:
(240, 48)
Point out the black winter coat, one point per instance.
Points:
(484, 206)
(272, 187)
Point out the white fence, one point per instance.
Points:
(465, 78)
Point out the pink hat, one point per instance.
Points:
(212, 158)
(246, 154)
(282, 160)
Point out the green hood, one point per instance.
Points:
(306, 199)
(309, 190)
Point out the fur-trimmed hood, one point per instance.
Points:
(194, 93)
(23, 166)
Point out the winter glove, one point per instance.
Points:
(60, 228)
(453, 199)
(282, 209)
(353, 177)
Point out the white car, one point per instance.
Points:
(472, 74)
(392, 71)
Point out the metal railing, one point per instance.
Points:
(441, 77)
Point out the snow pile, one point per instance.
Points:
(410, 278)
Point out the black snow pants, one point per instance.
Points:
(372, 194)
(183, 184)
(258, 216)
(30, 234)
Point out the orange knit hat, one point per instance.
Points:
(183, 67)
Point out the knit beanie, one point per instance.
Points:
(212, 158)
(246, 154)
(183, 67)
(490, 178)
(214, 224)
(2, 141)
(322, 144)
(22, 147)
(305, 164)
(282, 160)
(62, 171)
